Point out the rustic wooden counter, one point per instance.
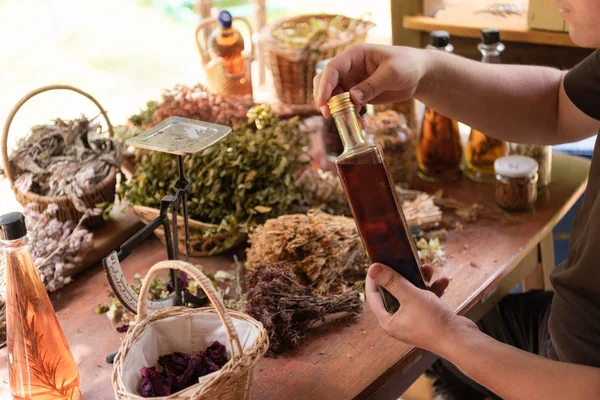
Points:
(341, 359)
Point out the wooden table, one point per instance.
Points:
(342, 359)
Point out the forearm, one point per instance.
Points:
(509, 102)
(515, 374)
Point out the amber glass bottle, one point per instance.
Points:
(373, 200)
(40, 364)
(439, 153)
(482, 150)
(228, 43)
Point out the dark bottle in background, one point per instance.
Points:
(439, 153)
(482, 150)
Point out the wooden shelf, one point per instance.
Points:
(463, 19)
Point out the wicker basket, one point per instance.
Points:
(102, 192)
(144, 343)
(294, 68)
(201, 246)
(218, 80)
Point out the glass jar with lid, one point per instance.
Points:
(516, 182)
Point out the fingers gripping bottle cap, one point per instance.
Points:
(340, 102)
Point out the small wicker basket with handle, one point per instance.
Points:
(294, 68)
(180, 329)
(104, 191)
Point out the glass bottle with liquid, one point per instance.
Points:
(228, 44)
(40, 363)
(373, 199)
(482, 150)
(439, 153)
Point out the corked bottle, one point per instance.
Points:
(482, 150)
(439, 152)
(373, 200)
(40, 363)
(516, 182)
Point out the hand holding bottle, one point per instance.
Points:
(373, 74)
(423, 318)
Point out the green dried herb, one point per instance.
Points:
(240, 182)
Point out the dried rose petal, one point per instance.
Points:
(152, 383)
(190, 376)
(175, 363)
(217, 353)
(123, 328)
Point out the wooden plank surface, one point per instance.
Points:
(340, 359)
(462, 19)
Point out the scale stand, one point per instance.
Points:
(181, 137)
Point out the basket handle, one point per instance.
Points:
(202, 45)
(28, 96)
(204, 283)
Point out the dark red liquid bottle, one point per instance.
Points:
(373, 200)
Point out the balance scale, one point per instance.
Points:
(181, 137)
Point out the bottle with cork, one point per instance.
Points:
(439, 152)
(482, 151)
(373, 199)
(40, 363)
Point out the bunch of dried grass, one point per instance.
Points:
(322, 250)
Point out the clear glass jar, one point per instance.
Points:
(541, 154)
(516, 182)
(390, 131)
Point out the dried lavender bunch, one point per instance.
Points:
(58, 247)
(287, 309)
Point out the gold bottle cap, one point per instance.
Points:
(340, 102)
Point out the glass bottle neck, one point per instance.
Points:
(349, 129)
(490, 53)
(15, 245)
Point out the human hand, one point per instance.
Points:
(423, 319)
(372, 73)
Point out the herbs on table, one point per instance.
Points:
(67, 158)
(177, 371)
(240, 182)
(287, 309)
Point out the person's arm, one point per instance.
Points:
(510, 102)
(425, 321)
(505, 101)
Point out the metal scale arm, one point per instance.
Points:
(179, 136)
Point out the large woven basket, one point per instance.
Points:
(232, 382)
(201, 245)
(294, 68)
(102, 192)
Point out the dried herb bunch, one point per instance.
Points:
(287, 309)
(67, 158)
(195, 103)
(323, 251)
(242, 181)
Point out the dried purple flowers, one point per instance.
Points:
(287, 309)
(181, 370)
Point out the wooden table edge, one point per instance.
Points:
(413, 357)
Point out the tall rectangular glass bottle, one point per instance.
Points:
(373, 200)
